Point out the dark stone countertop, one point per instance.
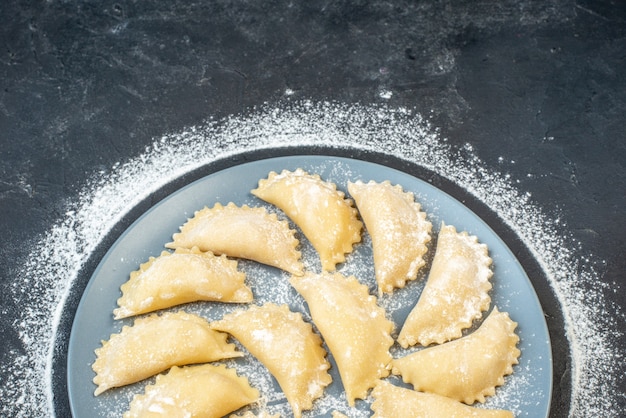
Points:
(86, 85)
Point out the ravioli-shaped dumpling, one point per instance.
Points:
(204, 391)
(321, 211)
(399, 231)
(467, 369)
(243, 232)
(397, 402)
(182, 277)
(156, 343)
(287, 346)
(354, 327)
(456, 292)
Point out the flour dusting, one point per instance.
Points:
(42, 285)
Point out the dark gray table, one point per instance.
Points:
(537, 88)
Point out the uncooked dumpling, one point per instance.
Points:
(354, 327)
(242, 232)
(467, 369)
(182, 277)
(456, 292)
(204, 391)
(156, 343)
(392, 401)
(321, 211)
(287, 346)
(399, 231)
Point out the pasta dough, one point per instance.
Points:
(182, 277)
(287, 346)
(325, 217)
(354, 327)
(156, 343)
(467, 369)
(204, 391)
(456, 293)
(399, 231)
(396, 402)
(242, 232)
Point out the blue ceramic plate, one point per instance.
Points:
(526, 392)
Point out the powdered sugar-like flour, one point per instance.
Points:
(42, 286)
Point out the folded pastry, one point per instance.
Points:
(322, 212)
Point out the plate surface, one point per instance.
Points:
(527, 392)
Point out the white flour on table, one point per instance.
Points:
(43, 284)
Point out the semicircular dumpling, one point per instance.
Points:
(187, 275)
(399, 231)
(467, 369)
(287, 346)
(156, 343)
(203, 391)
(398, 402)
(354, 327)
(242, 232)
(456, 291)
(326, 218)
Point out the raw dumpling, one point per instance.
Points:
(182, 277)
(467, 369)
(397, 402)
(287, 346)
(204, 391)
(156, 343)
(242, 232)
(456, 293)
(399, 231)
(354, 327)
(325, 217)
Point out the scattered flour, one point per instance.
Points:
(43, 284)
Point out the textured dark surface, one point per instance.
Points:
(537, 88)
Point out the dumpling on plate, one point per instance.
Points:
(399, 231)
(156, 343)
(354, 327)
(467, 369)
(325, 216)
(287, 346)
(397, 402)
(243, 232)
(187, 275)
(202, 391)
(456, 291)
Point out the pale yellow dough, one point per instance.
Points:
(467, 369)
(399, 231)
(156, 343)
(354, 327)
(242, 232)
(182, 277)
(456, 292)
(326, 218)
(287, 346)
(392, 401)
(204, 391)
